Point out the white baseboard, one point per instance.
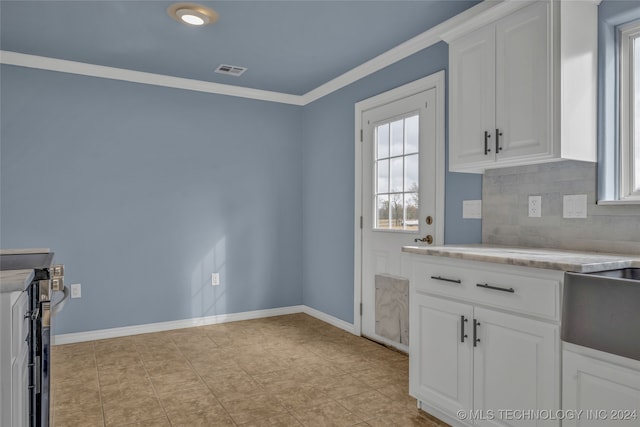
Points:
(198, 321)
(327, 318)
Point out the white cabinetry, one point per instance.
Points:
(14, 398)
(513, 96)
(603, 388)
(484, 338)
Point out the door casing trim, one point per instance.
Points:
(437, 81)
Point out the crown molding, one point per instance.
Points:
(443, 31)
(92, 70)
(400, 52)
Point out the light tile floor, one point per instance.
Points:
(280, 371)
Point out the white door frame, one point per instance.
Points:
(437, 81)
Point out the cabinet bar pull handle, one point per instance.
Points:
(497, 288)
(462, 334)
(444, 279)
(498, 135)
(476, 340)
(487, 135)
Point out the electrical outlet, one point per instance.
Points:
(76, 290)
(535, 206)
(215, 279)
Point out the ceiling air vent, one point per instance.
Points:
(230, 70)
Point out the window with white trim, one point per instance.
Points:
(629, 98)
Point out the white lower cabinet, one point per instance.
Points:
(474, 362)
(603, 389)
(14, 397)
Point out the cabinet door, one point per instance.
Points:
(523, 91)
(602, 390)
(472, 100)
(440, 363)
(516, 367)
(20, 392)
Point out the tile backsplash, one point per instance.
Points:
(505, 202)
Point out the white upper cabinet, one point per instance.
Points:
(511, 99)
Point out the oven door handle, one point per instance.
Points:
(45, 364)
(57, 307)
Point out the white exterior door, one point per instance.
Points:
(398, 190)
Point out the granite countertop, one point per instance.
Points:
(18, 280)
(552, 259)
(15, 280)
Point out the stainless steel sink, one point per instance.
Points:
(602, 311)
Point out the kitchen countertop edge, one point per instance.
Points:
(573, 261)
(15, 280)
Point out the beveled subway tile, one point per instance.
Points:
(255, 408)
(328, 414)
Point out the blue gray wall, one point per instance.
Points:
(328, 177)
(143, 192)
(611, 13)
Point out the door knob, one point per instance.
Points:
(428, 238)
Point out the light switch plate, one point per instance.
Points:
(76, 290)
(472, 209)
(574, 206)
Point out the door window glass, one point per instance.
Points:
(396, 172)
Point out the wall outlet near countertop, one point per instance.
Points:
(535, 206)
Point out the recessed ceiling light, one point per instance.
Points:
(192, 14)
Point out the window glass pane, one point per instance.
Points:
(382, 214)
(636, 113)
(383, 176)
(411, 211)
(397, 138)
(411, 135)
(382, 135)
(397, 211)
(411, 173)
(397, 175)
